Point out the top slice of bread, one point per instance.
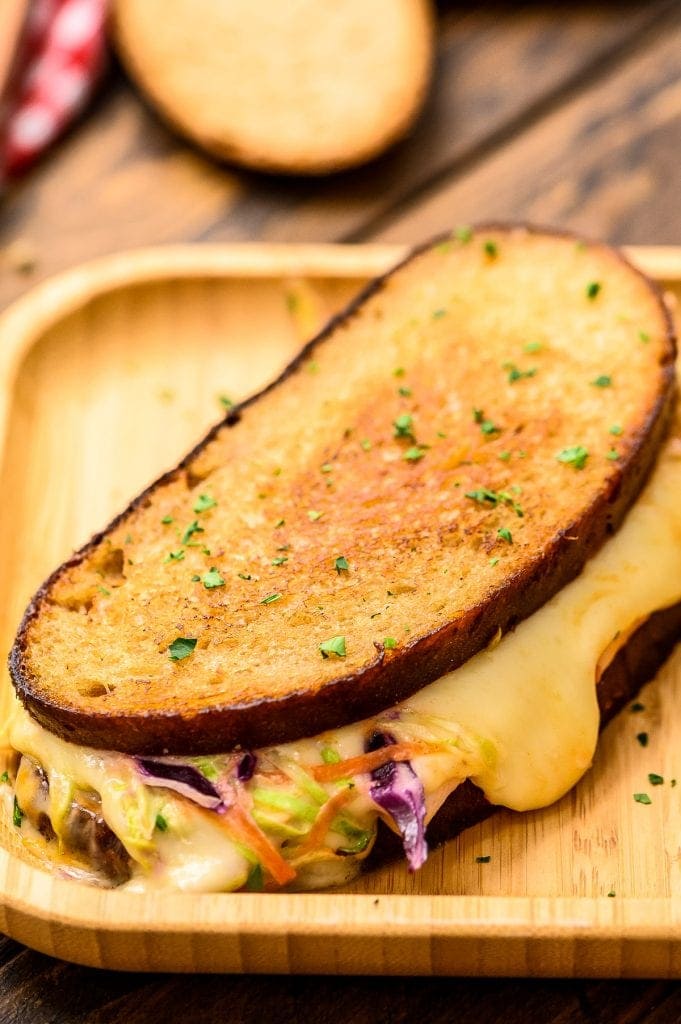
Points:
(463, 438)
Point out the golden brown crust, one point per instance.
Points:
(407, 529)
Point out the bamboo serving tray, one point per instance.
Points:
(108, 374)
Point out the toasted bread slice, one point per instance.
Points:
(293, 88)
(436, 464)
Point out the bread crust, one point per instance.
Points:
(390, 677)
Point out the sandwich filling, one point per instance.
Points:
(520, 720)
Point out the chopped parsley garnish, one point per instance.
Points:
(491, 249)
(271, 598)
(161, 824)
(515, 374)
(439, 313)
(532, 346)
(341, 564)
(483, 860)
(256, 880)
(642, 738)
(463, 234)
(399, 371)
(181, 648)
(389, 643)
(4, 777)
(17, 814)
(279, 522)
(279, 560)
(611, 893)
(504, 456)
(487, 427)
(592, 289)
(613, 455)
(576, 455)
(413, 454)
(494, 561)
(175, 556)
(336, 645)
(225, 402)
(654, 779)
(167, 520)
(642, 798)
(615, 430)
(602, 381)
(484, 494)
(313, 366)
(403, 426)
(365, 444)
(103, 590)
(637, 706)
(196, 579)
(326, 467)
(244, 576)
(404, 391)
(191, 530)
(204, 502)
(329, 755)
(212, 579)
(644, 337)
(313, 516)
(505, 534)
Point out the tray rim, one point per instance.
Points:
(44, 911)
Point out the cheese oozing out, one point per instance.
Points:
(523, 714)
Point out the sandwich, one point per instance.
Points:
(402, 586)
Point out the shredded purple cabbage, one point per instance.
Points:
(397, 789)
(183, 778)
(246, 767)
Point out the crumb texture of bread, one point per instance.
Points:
(433, 467)
(306, 86)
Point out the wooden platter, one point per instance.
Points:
(108, 373)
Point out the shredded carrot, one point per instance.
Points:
(369, 762)
(315, 837)
(240, 826)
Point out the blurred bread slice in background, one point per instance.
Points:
(299, 87)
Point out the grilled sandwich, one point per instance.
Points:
(404, 583)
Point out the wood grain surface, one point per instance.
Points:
(569, 114)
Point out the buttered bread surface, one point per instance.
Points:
(438, 463)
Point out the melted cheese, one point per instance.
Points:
(525, 710)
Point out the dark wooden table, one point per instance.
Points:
(567, 115)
